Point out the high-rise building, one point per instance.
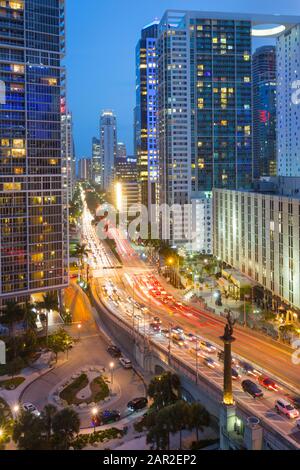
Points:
(84, 169)
(96, 161)
(264, 111)
(145, 127)
(204, 106)
(126, 183)
(68, 151)
(108, 144)
(288, 73)
(121, 150)
(33, 213)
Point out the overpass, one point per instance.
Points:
(240, 426)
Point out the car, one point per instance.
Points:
(157, 320)
(248, 369)
(295, 400)
(268, 383)
(114, 351)
(138, 404)
(177, 329)
(211, 363)
(221, 358)
(235, 374)
(109, 416)
(155, 327)
(191, 337)
(286, 408)
(126, 363)
(178, 341)
(252, 389)
(165, 333)
(30, 408)
(208, 347)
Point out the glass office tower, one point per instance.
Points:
(33, 213)
(204, 106)
(264, 111)
(145, 115)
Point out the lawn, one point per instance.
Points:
(99, 390)
(12, 384)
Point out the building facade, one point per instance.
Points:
(204, 106)
(259, 234)
(108, 146)
(96, 161)
(122, 150)
(84, 169)
(264, 112)
(288, 73)
(33, 213)
(145, 126)
(68, 151)
(126, 183)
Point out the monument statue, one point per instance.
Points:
(228, 339)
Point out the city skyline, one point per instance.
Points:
(86, 79)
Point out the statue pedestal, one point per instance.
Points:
(227, 425)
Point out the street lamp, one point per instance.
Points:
(16, 409)
(79, 326)
(112, 366)
(94, 415)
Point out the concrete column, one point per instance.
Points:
(227, 423)
(253, 434)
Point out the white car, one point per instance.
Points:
(126, 363)
(30, 408)
(286, 408)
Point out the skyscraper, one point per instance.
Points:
(33, 213)
(122, 151)
(264, 111)
(204, 106)
(96, 161)
(288, 73)
(84, 169)
(108, 144)
(145, 127)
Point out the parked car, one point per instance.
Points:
(138, 404)
(30, 408)
(126, 363)
(114, 351)
(268, 383)
(252, 389)
(109, 416)
(286, 408)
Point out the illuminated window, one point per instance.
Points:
(247, 79)
(37, 258)
(18, 143)
(11, 186)
(4, 142)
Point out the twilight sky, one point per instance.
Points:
(101, 40)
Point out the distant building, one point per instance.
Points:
(264, 111)
(145, 126)
(288, 73)
(96, 161)
(84, 169)
(108, 145)
(126, 182)
(122, 151)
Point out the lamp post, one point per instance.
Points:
(94, 417)
(111, 367)
(79, 326)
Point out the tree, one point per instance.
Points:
(48, 415)
(198, 417)
(81, 251)
(49, 302)
(12, 315)
(164, 390)
(61, 341)
(29, 432)
(65, 426)
(30, 316)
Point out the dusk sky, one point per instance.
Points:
(101, 40)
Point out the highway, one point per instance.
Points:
(136, 294)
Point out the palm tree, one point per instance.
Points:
(65, 425)
(48, 415)
(49, 302)
(81, 252)
(30, 316)
(198, 418)
(13, 314)
(165, 390)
